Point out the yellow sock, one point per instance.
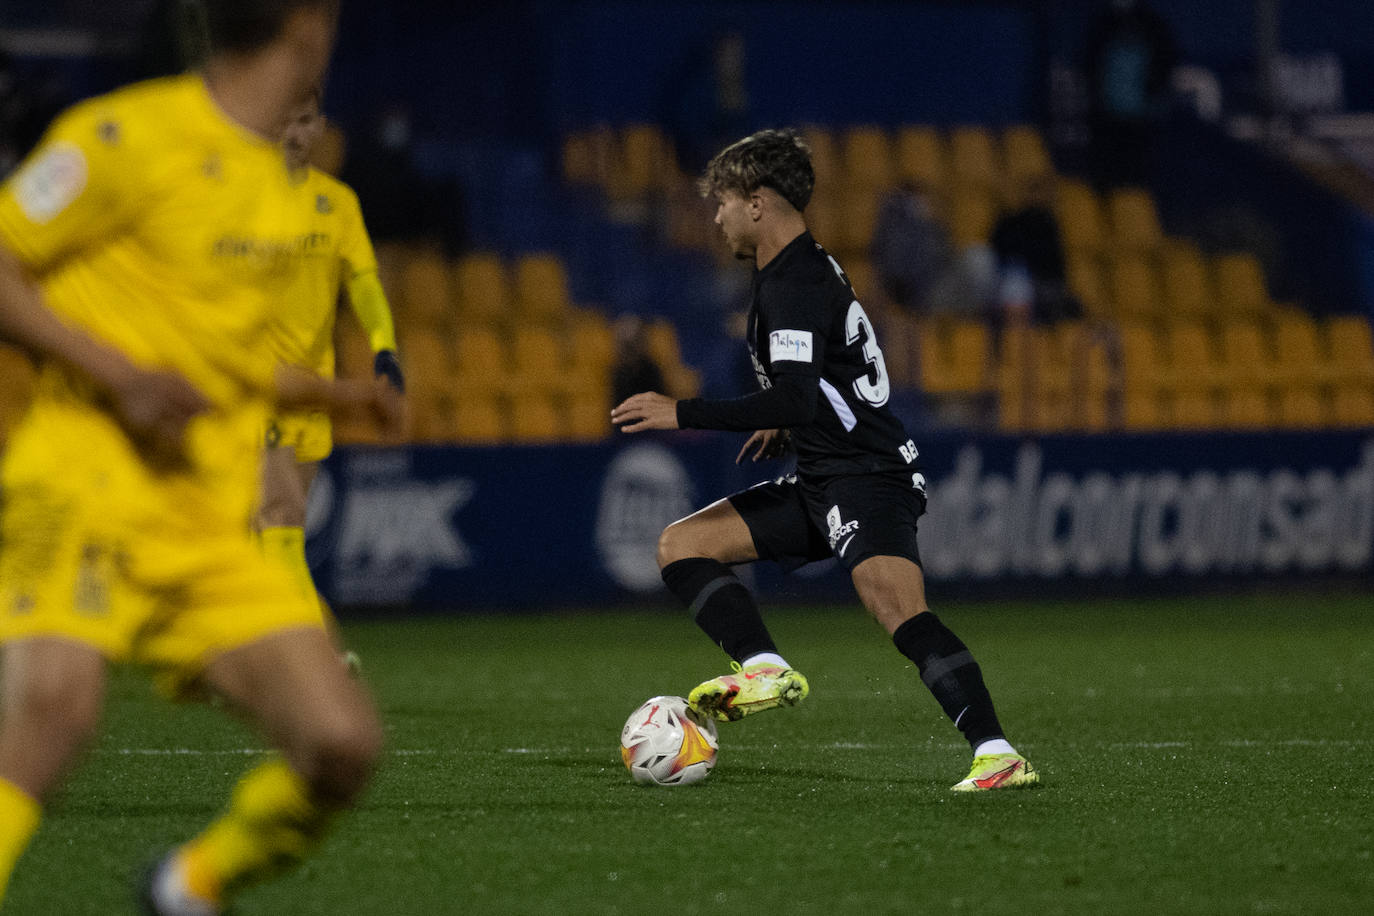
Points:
(19, 814)
(271, 825)
(287, 545)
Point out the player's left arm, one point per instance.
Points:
(796, 352)
(366, 296)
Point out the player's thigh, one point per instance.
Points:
(51, 694)
(306, 472)
(292, 685)
(716, 532)
(282, 500)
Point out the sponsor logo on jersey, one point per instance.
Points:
(323, 204)
(49, 183)
(838, 527)
(790, 345)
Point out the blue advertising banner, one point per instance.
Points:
(578, 525)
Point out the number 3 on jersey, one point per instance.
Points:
(857, 325)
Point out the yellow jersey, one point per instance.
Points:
(338, 253)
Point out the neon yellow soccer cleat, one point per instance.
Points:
(998, 771)
(731, 697)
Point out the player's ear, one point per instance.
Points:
(756, 204)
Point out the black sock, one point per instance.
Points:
(721, 605)
(948, 669)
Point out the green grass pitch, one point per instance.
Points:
(1200, 756)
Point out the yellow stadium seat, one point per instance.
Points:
(1135, 290)
(1187, 286)
(1086, 284)
(1016, 402)
(1240, 284)
(864, 278)
(867, 155)
(1299, 360)
(1135, 223)
(825, 157)
(589, 415)
(1301, 407)
(428, 364)
(537, 359)
(825, 217)
(535, 419)
(920, 158)
(1353, 405)
(955, 357)
(1192, 364)
(1023, 151)
(646, 162)
(859, 219)
(973, 159)
(425, 289)
(971, 216)
(1246, 355)
(1144, 374)
(1245, 407)
(482, 288)
(541, 287)
(1081, 223)
(1350, 345)
(480, 419)
(481, 361)
(591, 340)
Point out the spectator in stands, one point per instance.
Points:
(1131, 56)
(635, 370)
(399, 203)
(1029, 247)
(918, 265)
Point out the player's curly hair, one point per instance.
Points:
(244, 26)
(777, 159)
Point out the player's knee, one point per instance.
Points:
(676, 543)
(66, 712)
(342, 755)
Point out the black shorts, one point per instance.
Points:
(798, 521)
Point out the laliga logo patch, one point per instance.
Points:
(790, 345)
(45, 186)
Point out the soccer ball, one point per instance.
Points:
(664, 743)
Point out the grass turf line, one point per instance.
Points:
(1200, 756)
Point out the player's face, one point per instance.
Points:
(735, 220)
(302, 131)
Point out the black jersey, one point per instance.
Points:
(820, 368)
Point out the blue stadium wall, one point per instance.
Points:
(450, 528)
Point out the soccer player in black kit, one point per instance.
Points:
(857, 492)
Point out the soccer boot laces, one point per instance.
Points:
(998, 771)
(745, 691)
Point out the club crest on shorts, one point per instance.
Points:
(839, 529)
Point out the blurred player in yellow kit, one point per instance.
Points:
(301, 333)
(143, 247)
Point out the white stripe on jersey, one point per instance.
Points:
(842, 410)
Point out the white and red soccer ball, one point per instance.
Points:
(665, 743)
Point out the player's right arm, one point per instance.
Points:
(64, 197)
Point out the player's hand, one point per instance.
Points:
(649, 410)
(375, 398)
(767, 443)
(386, 365)
(154, 407)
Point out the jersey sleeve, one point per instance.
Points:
(355, 247)
(796, 316)
(82, 183)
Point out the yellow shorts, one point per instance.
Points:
(309, 433)
(156, 569)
